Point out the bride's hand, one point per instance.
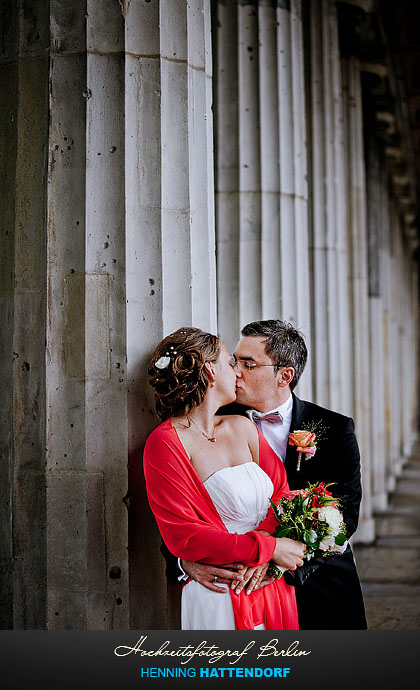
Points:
(288, 553)
(208, 575)
(252, 578)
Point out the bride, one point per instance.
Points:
(209, 479)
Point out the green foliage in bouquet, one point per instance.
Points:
(313, 517)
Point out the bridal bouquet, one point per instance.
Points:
(313, 517)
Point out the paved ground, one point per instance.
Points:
(389, 570)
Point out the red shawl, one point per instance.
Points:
(193, 530)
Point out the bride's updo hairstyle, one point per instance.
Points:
(177, 372)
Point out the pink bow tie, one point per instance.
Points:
(271, 417)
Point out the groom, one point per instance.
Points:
(269, 360)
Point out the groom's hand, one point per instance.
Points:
(209, 575)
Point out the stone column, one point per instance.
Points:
(357, 230)
(321, 346)
(225, 47)
(8, 139)
(329, 241)
(387, 279)
(375, 183)
(86, 353)
(414, 371)
(404, 348)
(105, 317)
(23, 160)
(170, 254)
(250, 268)
(396, 349)
(269, 130)
(409, 391)
(410, 317)
(340, 168)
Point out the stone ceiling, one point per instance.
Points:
(385, 36)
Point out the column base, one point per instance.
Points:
(391, 484)
(365, 533)
(380, 502)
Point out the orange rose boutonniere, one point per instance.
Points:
(304, 440)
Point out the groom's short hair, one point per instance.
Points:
(284, 345)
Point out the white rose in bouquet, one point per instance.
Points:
(333, 517)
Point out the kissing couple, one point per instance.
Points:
(212, 466)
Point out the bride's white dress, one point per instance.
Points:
(241, 496)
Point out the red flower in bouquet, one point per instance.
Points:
(312, 516)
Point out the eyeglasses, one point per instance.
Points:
(247, 364)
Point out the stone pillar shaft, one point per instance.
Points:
(375, 183)
(358, 274)
(23, 502)
(225, 38)
(249, 166)
(170, 241)
(331, 341)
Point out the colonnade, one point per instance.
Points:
(261, 167)
(169, 163)
(290, 145)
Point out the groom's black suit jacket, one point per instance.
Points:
(328, 591)
(330, 598)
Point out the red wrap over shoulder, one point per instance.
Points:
(193, 530)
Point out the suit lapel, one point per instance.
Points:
(298, 414)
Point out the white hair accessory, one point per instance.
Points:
(162, 363)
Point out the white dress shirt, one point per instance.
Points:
(277, 435)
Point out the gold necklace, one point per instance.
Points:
(212, 439)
